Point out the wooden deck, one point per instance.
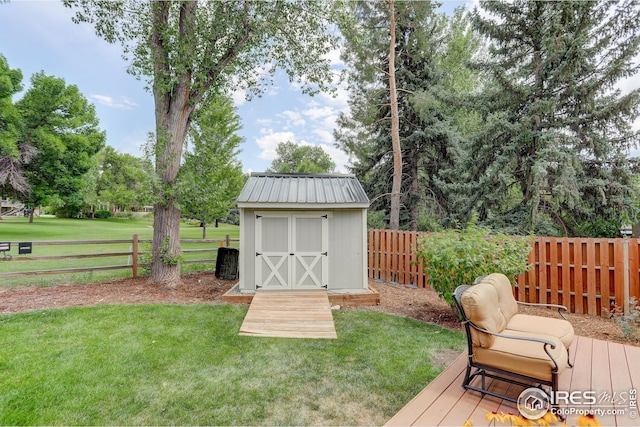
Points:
(290, 314)
(367, 297)
(600, 366)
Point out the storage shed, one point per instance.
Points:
(303, 231)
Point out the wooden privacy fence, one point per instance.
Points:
(133, 255)
(591, 276)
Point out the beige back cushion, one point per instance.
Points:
(503, 287)
(481, 305)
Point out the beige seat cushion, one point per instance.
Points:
(558, 328)
(504, 289)
(480, 303)
(523, 357)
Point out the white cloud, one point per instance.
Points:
(239, 97)
(264, 122)
(339, 157)
(324, 135)
(318, 112)
(122, 103)
(293, 118)
(334, 57)
(269, 142)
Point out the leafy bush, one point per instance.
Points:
(629, 323)
(125, 215)
(457, 257)
(102, 214)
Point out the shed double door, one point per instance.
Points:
(291, 250)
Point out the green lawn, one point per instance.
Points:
(19, 230)
(187, 365)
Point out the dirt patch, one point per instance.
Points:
(204, 288)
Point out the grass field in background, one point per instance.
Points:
(19, 230)
(187, 365)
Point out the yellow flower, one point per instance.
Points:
(493, 417)
(467, 423)
(548, 419)
(588, 420)
(518, 420)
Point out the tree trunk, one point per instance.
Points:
(394, 219)
(413, 191)
(173, 114)
(174, 105)
(33, 210)
(204, 228)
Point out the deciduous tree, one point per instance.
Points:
(64, 129)
(124, 181)
(211, 176)
(186, 49)
(301, 158)
(14, 153)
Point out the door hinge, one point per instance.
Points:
(324, 253)
(258, 254)
(325, 286)
(258, 286)
(258, 216)
(324, 216)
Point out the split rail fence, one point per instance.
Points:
(133, 255)
(587, 275)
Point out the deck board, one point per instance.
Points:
(289, 314)
(599, 366)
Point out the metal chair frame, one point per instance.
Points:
(484, 371)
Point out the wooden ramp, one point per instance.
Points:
(289, 314)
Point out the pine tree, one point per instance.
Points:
(552, 157)
(428, 141)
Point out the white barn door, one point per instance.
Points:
(291, 250)
(310, 235)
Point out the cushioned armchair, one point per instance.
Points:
(507, 345)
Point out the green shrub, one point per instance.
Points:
(457, 257)
(629, 323)
(125, 215)
(102, 214)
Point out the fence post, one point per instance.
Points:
(134, 256)
(228, 241)
(625, 246)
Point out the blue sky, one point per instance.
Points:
(39, 36)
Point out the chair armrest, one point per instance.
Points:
(546, 343)
(560, 308)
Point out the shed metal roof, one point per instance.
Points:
(289, 189)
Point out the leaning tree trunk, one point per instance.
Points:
(394, 219)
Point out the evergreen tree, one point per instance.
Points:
(429, 141)
(552, 157)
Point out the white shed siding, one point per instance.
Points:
(347, 256)
(323, 224)
(247, 250)
(347, 260)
